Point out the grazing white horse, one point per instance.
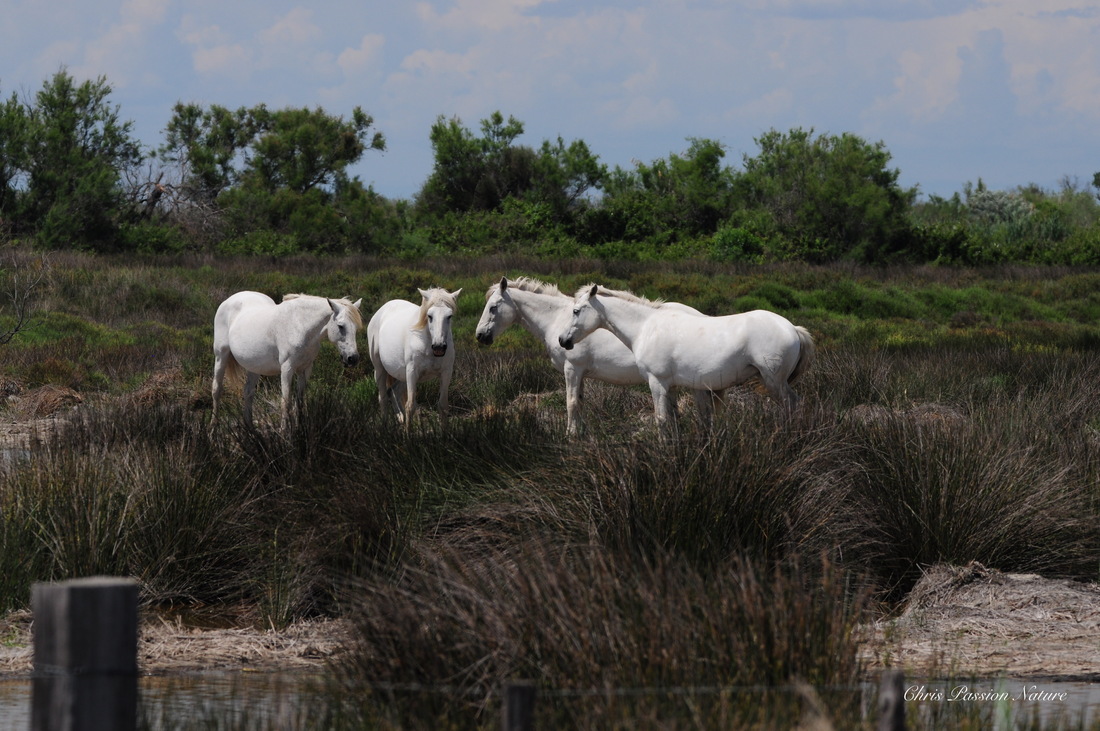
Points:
(545, 312)
(676, 349)
(254, 335)
(409, 342)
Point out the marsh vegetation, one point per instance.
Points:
(951, 417)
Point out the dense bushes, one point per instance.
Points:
(276, 182)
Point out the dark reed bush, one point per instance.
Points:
(954, 491)
(598, 622)
(758, 485)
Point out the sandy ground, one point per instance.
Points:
(166, 647)
(975, 621)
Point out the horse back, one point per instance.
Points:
(231, 308)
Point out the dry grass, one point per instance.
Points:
(987, 623)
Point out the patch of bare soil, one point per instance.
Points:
(30, 415)
(166, 646)
(976, 621)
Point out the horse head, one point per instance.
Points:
(345, 323)
(436, 312)
(585, 318)
(499, 313)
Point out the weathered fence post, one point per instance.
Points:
(518, 706)
(85, 655)
(891, 701)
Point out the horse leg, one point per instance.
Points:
(411, 376)
(443, 405)
(574, 394)
(300, 396)
(397, 399)
(781, 392)
(664, 411)
(704, 406)
(708, 403)
(249, 391)
(220, 365)
(718, 400)
(383, 383)
(286, 378)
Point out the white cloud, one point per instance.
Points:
(641, 112)
(231, 60)
(364, 58)
(293, 29)
(489, 15)
(430, 63)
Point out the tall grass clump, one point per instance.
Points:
(133, 492)
(759, 484)
(610, 638)
(956, 491)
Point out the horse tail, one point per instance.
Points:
(806, 355)
(234, 373)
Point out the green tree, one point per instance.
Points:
(565, 174)
(209, 145)
(476, 173)
(304, 149)
(13, 130)
(73, 148)
(680, 197)
(489, 193)
(293, 149)
(278, 178)
(829, 196)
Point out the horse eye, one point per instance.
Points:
(576, 311)
(493, 309)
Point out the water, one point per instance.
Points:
(266, 700)
(1008, 700)
(15, 704)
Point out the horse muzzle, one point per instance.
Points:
(485, 338)
(352, 360)
(566, 343)
(439, 350)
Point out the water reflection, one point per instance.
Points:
(197, 700)
(285, 700)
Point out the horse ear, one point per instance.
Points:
(503, 284)
(422, 293)
(357, 302)
(592, 292)
(335, 309)
(456, 293)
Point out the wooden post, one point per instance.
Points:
(85, 655)
(518, 706)
(891, 701)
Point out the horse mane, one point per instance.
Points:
(623, 295)
(527, 284)
(353, 312)
(435, 296)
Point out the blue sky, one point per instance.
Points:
(1004, 90)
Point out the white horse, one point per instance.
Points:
(545, 312)
(408, 342)
(261, 338)
(677, 349)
